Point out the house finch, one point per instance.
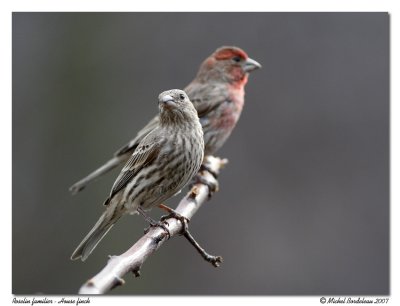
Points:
(217, 93)
(161, 164)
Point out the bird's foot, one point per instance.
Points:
(174, 214)
(153, 223)
(158, 224)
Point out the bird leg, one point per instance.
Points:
(152, 222)
(173, 214)
(214, 260)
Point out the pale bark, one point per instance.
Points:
(133, 259)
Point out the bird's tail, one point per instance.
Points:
(91, 240)
(111, 164)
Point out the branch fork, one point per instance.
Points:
(205, 184)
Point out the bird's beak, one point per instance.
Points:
(168, 102)
(250, 65)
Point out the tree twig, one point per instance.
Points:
(133, 259)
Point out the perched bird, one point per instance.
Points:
(162, 163)
(217, 93)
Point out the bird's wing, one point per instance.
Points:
(206, 98)
(132, 145)
(145, 153)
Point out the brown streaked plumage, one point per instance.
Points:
(162, 163)
(217, 93)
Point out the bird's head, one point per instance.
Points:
(175, 105)
(229, 64)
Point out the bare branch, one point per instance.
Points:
(133, 259)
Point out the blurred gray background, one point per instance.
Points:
(304, 202)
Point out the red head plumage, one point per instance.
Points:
(227, 64)
(225, 53)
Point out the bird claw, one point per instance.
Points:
(164, 218)
(179, 217)
(158, 224)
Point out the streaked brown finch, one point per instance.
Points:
(160, 165)
(217, 93)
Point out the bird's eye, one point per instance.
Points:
(237, 59)
(182, 97)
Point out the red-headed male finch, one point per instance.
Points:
(162, 163)
(217, 93)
